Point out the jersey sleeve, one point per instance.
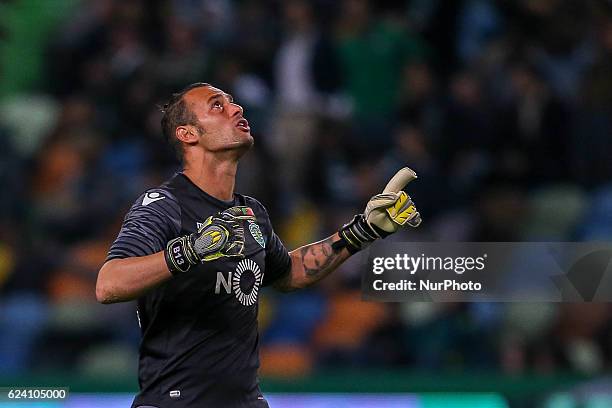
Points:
(153, 220)
(278, 261)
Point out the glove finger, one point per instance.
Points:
(240, 212)
(204, 224)
(232, 224)
(402, 210)
(234, 248)
(415, 221)
(382, 200)
(399, 181)
(386, 196)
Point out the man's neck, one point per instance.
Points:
(213, 175)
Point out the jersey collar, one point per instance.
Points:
(204, 195)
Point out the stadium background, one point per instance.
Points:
(504, 108)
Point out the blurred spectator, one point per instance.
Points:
(410, 146)
(469, 134)
(374, 46)
(535, 142)
(306, 75)
(420, 101)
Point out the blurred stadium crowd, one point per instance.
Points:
(504, 109)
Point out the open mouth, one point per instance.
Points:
(243, 125)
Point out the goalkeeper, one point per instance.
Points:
(194, 254)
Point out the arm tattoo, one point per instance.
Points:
(311, 263)
(318, 258)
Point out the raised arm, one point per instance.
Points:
(384, 214)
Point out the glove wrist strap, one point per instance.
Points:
(177, 255)
(356, 235)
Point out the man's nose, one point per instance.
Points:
(236, 109)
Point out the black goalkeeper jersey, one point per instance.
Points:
(199, 329)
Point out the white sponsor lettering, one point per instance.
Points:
(222, 281)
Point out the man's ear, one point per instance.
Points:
(186, 134)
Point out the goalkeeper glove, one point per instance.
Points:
(384, 214)
(220, 235)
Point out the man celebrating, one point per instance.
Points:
(195, 254)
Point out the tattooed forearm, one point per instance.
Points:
(318, 259)
(312, 263)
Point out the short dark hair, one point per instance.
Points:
(177, 113)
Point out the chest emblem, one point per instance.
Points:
(256, 233)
